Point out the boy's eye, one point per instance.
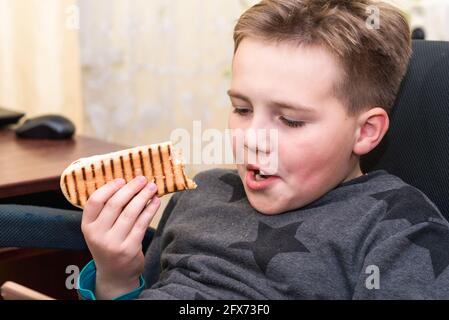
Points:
(241, 111)
(292, 123)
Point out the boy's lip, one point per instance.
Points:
(253, 184)
(254, 167)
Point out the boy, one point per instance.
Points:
(316, 227)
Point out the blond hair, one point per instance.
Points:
(373, 60)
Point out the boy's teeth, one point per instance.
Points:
(259, 177)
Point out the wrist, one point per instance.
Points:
(106, 288)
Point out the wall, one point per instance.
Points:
(39, 59)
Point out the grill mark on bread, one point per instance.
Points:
(75, 183)
(159, 151)
(164, 172)
(67, 187)
(122, 166)
(172, 169)
(132, 165)
(150, 157)
(85, 182)
(92, 168)
(112, 168)
(185, 179)
(182, 170)
(141, 163)
(103, 170)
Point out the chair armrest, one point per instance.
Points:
(14, 291)
(41, 227)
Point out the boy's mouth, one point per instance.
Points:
(258, 172)
(256, 179)
(258, 176)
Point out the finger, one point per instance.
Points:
(118, 202)
(125, 222)
(98, 199)
(142, 224)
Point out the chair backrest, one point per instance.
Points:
(416, 148)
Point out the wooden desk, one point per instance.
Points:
(29, 174)
(33, 166)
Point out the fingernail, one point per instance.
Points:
(141, 179)
(152, 186)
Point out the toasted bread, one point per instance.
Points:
(157, 162)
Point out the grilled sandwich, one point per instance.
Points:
(157, 162)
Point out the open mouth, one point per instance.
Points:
(256, 179)
(259, 176)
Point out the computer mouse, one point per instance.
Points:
(53, 127)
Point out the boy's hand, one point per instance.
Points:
(115, 220)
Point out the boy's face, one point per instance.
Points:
(290, 89)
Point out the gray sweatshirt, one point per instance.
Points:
(374, 237)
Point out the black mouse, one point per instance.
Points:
(46, 127)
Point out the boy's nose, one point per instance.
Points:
(258, 140)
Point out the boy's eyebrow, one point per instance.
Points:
(237, 95)
(279, 104)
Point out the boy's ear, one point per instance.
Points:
(372, 127)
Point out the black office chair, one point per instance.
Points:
(45, 228)
(34, 227)
(415, 149)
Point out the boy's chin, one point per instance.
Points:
(266, 205)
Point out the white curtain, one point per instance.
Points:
(39, 58)
(150, 66)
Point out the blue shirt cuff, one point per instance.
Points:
(86, 284)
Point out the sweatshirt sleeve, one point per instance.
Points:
(153, 254)
(410, 264)
(86, 285)
(87, 277)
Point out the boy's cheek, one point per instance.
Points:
(311, 155)
(308, 170)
